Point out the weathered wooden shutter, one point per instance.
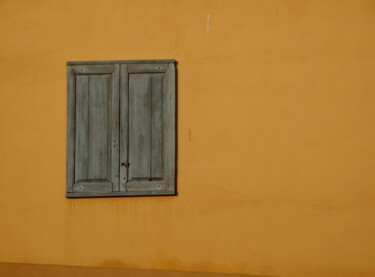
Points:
(147, 132)
(121, 128)
(93, 134)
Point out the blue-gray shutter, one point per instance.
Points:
(147, 129)
(121, 128)
(93, 132)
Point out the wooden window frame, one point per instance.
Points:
(120, 70)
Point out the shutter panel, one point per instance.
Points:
(93, 135)
(121, 128)
(147, 123)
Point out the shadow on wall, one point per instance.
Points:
(33, 270)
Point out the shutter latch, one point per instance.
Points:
(125, 164)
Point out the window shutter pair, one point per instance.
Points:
(121, 128)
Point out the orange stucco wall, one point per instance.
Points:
(278, 176)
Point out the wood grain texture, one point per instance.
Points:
(114, 134)
(116, 117)
(124, 119)
(93, 69)
(147, 68)
(169, 117)
(70, 138)
(119, 193)
(98, 127)
(92, 126)
(139, 126)
(82, 127)
(98, 186)
(146, 185)
(157, 126)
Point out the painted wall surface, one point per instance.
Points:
(278, 176)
